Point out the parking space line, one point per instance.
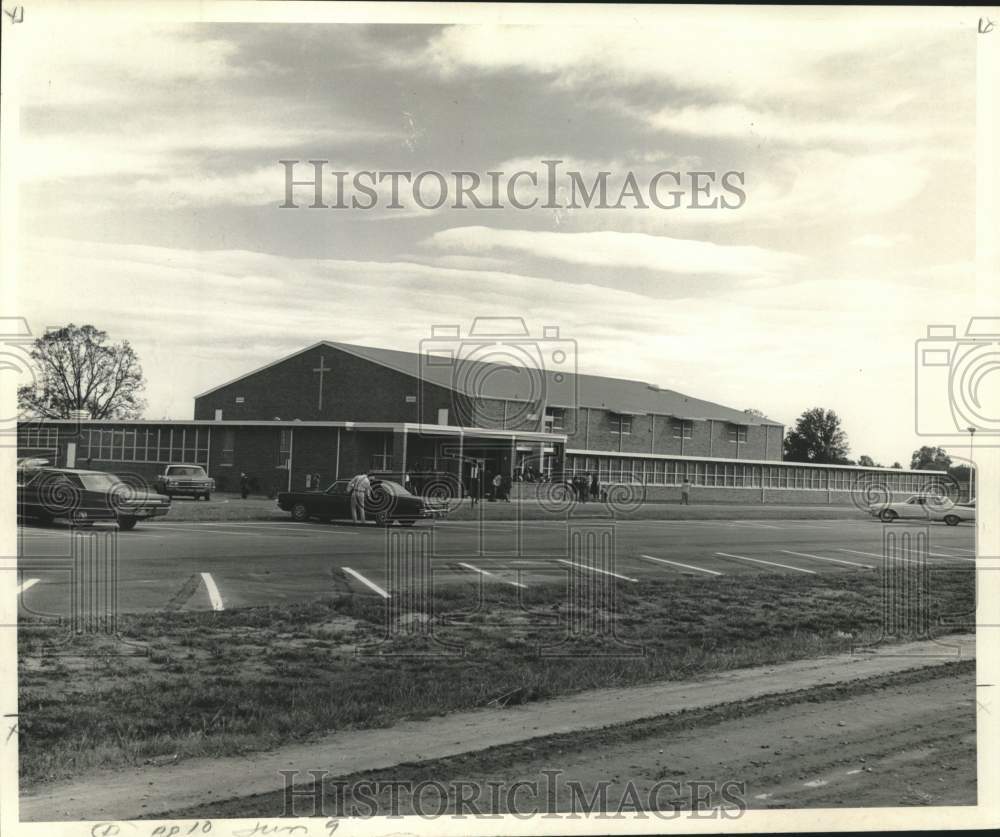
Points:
(953, 557)
(873, 554)
(679, 564)
(956, 549)
(213, 591)
(823, 558)
(366, 582)
(491, 575)
(595, 569)
(26, 585)
(770, 563)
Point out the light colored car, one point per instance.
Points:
(184, 479)
(926, 507)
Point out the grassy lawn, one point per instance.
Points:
(205, 684)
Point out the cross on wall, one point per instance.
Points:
(322, 369)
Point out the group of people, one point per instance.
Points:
(483, 483)
(587, 487)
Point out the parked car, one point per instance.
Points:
(186, 481)
(83, 497)
(926, 507)
(386, 502)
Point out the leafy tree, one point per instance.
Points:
(867, 461)
(817, 437)
(930, 459)
(753, 411)
(76, 368)
(897, 466)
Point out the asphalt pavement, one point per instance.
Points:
(175, 565)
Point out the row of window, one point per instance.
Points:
(680, 428)
(157, 444)
(734, 475)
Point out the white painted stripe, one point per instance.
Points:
(756, 524)
(595, 570)
(769, 563)
(956, 549)
(679, 564)
(491, 575)
(953, 557)
(823, 558)
(872, 554)
(31, 582)
(365, 581)
(213, 592)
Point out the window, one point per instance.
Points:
(240, 399)
(555, 419)
(683, 429)
(284, 447)
(620, 423)
(228, 443)
(737, 433)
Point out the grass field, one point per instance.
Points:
(220, 683)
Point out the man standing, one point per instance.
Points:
(595, 488)
(244, 485)
(474, 482)
(358, 489)
(686, 492)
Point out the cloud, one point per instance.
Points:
(717, 53)
(620, 250)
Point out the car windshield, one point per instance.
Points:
(392, 487)
(99, 482)
(186, 472)
(339, 487)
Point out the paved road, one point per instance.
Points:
(202, 565)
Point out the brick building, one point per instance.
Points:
(335, 409)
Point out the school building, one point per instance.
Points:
(335, 409)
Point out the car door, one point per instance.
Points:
(335, 500)
(914, 509)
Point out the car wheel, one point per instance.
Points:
(208, 496)
(126, 523)
(382, 518)
(952, 519)
(300, 512)
(888, 515)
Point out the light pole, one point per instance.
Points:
(972, 433)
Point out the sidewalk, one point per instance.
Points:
(224, 507)
(160, 790)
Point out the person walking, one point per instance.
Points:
(584, 488)
(497, 487)
(595, 487)
(244, 485)
(357, 490)
(506, 484)
(474, 480)
(686, 492)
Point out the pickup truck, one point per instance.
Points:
(186, 481)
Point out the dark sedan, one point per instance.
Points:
(83, 497)
(386, 501)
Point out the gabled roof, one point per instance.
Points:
(515, 382)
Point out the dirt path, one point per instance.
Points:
(152, 790)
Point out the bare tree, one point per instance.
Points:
(76, 368)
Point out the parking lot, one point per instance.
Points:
(166, 565)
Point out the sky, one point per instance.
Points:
(150, 194)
